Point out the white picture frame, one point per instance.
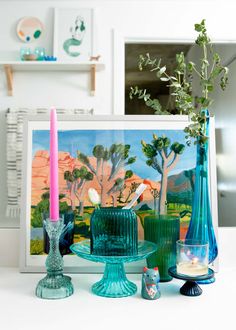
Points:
(121, 37)
(73, 39)
(73, 264)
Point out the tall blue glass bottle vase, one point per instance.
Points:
(201, 227)
(54, 285)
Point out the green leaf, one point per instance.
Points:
(149, 151)
(83, 158)
(191, 64)
(164, 79)
(198, 27)
(131, 160)
(178, 72)
(162, 70)
(210, 88)
(205, 61)
(158, 74)
(89, 176)
(128, 174)
(203, 22)
(175, 84)
(149, 162)
(98, 151)
(216, 57)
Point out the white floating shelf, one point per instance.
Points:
(12, 66)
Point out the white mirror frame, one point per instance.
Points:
(120, 38)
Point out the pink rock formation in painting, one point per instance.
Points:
(40, 177)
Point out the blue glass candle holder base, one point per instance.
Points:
(209, 281)
(54, 287)
(114, 283)
(190, 287)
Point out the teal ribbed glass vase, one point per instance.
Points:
(164, 230)
(114, 232)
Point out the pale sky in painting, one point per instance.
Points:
(84, 140)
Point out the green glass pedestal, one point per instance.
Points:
(114, 283)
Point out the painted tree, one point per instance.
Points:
(155, 194)
(189, 174)
(132, 189)
(162, 156)
(118, 186)
(43, 207)
(121, 194)
(76, 183)
(109, 162)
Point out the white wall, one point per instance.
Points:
(154, 19)
(225, 112)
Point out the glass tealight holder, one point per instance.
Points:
(40, 53)
(24, 52)
(192, 257)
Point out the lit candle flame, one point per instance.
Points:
(194, 261)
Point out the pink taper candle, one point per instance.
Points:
(54, 191)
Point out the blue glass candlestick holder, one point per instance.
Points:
(67, 235)
(54, 285)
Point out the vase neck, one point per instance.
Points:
(202, 155)
(205, 118)
(54, 261)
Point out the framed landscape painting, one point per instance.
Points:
(105, 153)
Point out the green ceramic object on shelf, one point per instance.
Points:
(164, 230)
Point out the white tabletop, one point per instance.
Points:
(215, 308)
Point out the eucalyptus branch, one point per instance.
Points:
(146, 97)
(196, 71)
(181, 84)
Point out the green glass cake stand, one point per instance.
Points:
(114, 283)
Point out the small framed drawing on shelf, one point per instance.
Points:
(109, 154)
(73, 34)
